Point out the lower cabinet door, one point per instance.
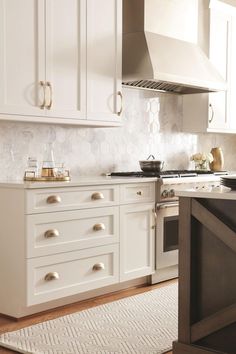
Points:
(56, 276)
(137, 232)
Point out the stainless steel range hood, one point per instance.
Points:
(156, 62)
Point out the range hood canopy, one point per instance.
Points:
(156, 62)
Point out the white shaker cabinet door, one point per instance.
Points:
(65, 58)
(21, 56)
(137, 231)
(42, 59)
(219, 32)
(232, 77)
(104, 36)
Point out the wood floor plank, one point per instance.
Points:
(10, 324)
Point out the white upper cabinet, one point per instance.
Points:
(44, 45)
(65, 58)
(215, 112)
(41, 62)
(104, 45)
(19, 56)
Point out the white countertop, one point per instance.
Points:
(220, 192)
(77, 182)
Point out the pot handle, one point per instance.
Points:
(151, 157)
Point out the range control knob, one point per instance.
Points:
(171, 193)
(165, 193)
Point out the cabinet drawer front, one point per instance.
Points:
(52, 233)
(53, 277)
(56, 199)
(140, 192)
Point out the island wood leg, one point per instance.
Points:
(207, 281)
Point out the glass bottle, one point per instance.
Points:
(32, 167)
(48, 167)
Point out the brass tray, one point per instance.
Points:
(30, 176)
(48, 179)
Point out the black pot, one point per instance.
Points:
(151, 165)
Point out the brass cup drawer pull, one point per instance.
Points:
(97, 196)
(53, 199)
(51, 276)
(140, 193)
(51, 233)
(99, 227)
(98, 266)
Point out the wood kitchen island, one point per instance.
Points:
(207, 268)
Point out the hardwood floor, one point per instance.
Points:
(9, 324)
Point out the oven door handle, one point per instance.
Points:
(167, 205)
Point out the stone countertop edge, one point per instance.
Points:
(76, 182)
(220, 192)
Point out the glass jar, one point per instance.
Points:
(48, 167)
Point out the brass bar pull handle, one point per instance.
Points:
(98, 266)
(49, 85)
(53, 199)
(97, 196)
(51, 233)
(119, 93)
(212, 113)
(51, 276)
(99, 227)
(140, 193)
(42, 84)
(155, 218)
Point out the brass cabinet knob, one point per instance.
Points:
(51, 233)
(99, 227)
(98, 266)
(51, 276)
(53, 199)
(140, 192)
(97, 196)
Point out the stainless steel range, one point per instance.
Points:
(167, 212)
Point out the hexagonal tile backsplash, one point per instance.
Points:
(151, 125)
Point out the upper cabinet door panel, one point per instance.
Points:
(219, 30)
(232, 76)
(20, 44)
(104, 35)
(65, 58)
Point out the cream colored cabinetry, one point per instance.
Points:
(78, 237)
(104, 43)
(61, 242)
(44, 46)
(42, 59)
(215, 112)
(137, 231)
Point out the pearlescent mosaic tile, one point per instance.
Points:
(151, 125)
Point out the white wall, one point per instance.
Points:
(152, 124)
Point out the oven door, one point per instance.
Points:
(167, 223)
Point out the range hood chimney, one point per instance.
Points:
(156, 62)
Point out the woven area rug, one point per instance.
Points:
(140, 324)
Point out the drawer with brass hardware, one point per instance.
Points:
(51, 233)
(135, 193)
(56, 199)
(65, 274)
